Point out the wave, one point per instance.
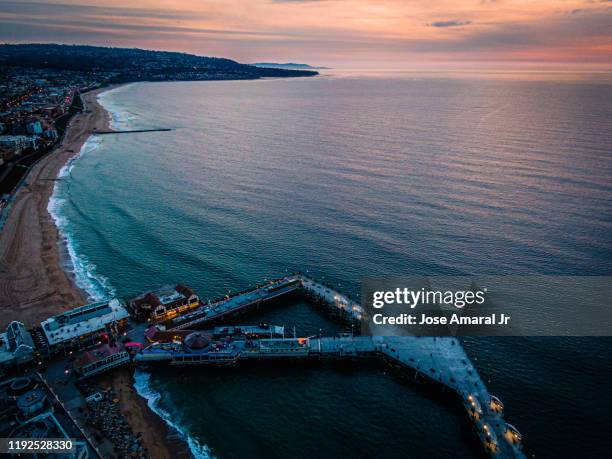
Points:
(86, 277)
(121, 118)
(97, 286)
(145, 389)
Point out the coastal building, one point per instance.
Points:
(159, 334)
(249, 331)
(34, 128)
(16, 345)
(50, 134)
(165, 303)
(45, 426)
(83, 326)
(198, 348)
(32, 402)
(30, 410)
(278, 347)
(100, 359)
(16, 143)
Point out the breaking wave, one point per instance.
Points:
(121, 118)
(86, 277)
(145, 389)
(85, 273)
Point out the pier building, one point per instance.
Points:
(82, 326)
(100, 359)
(164, 303)
(16, 345)
(242, 302)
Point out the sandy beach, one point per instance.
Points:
(160, 441)
(34, 285)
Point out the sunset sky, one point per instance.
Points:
(337, 33)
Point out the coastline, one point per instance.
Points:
(159, 440)
(34, 283)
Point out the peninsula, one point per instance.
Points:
(287, 66)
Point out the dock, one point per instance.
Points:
(341, 304)
(444, 360)
(237, 304)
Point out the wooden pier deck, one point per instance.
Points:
(332, 297)
(443, 359)
(440, 359)
(226, 307)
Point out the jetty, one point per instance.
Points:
(132, 131)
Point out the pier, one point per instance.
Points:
(237, 304)
(335, 301)
(322, 295)
(442, 360)
(439, 361)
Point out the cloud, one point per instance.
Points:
(335, 31)
(30, 8)
(450, 23)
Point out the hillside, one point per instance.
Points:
(132, 64)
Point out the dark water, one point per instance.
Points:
(348, 177)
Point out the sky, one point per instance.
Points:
(337, 33)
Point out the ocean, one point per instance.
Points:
(345, 176)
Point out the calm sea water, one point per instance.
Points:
(347, 177)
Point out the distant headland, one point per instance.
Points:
(287, 66)
(122, 65)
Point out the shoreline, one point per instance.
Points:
(157, 437)
(34, 282)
